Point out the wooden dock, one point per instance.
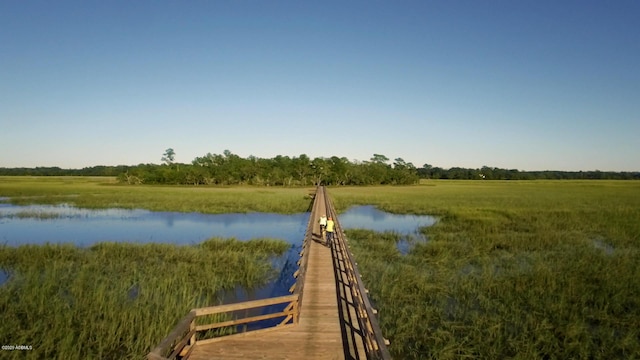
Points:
(328, 318)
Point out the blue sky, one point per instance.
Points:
(529, 85)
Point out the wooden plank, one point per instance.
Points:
(244, 320)
(232, 337)
(244, 305)
(186, 352)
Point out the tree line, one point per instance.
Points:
(489, 173)
(230, 169)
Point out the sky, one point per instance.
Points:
(528, 85)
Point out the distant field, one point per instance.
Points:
(512, 269)
(104, 192)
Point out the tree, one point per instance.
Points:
(380, 159)
(403, 172)
(340, 171)
(319, 169)
(426, 171)
(168, 156)
(302, 167)
(378, 170)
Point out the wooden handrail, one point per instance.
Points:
(373, 340)
(183, 336)
(218, 309)
(300, 275)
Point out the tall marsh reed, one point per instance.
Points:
(512, 270)
(117, 300)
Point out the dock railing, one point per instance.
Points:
(375, 345)
(222, 321)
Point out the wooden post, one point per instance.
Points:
(192, 327)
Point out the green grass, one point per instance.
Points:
(512, 270)
(117, 300)
(102, 193)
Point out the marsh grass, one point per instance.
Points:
(117, 300)
(102, 193)
(512, 270)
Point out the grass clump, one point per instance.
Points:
(117, 300)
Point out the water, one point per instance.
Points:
(601, 244)
(83, 227)
(39, 224)
(369, 217)
(4, 276)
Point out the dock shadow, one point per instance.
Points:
(317, 238)
(350, 327)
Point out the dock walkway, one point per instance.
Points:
(328, 316)
(317, 335)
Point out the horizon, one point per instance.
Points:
(389, 162)
(529, 85)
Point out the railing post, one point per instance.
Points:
(192, 327)
(296, 314)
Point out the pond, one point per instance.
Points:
(370, 218)
(39, 224)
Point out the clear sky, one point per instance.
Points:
(529, 85)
